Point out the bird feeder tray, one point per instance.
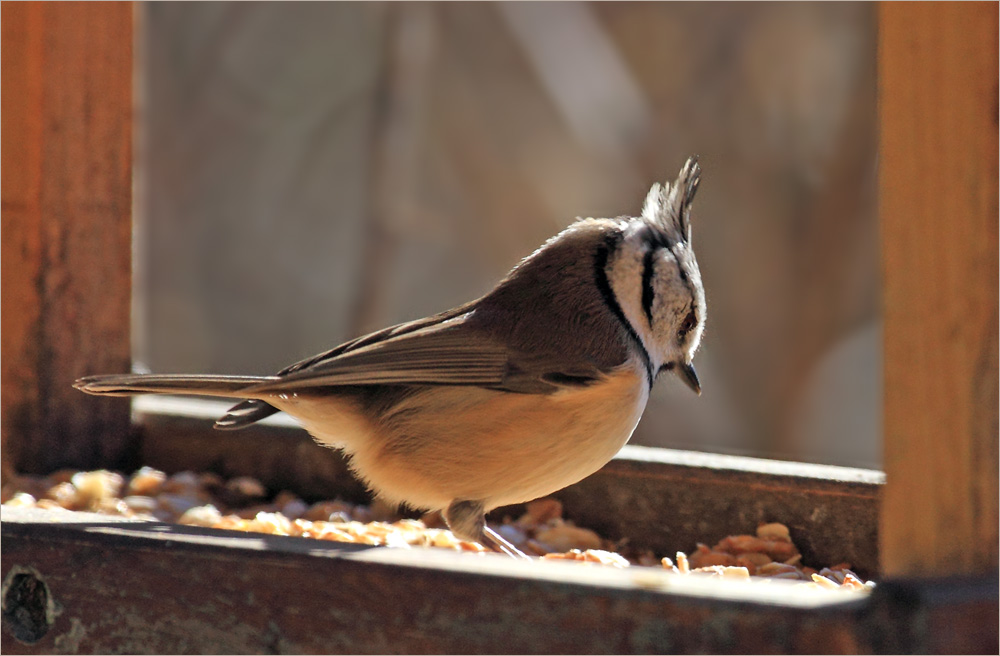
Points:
(94, 583)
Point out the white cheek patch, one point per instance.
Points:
(625, 278)
(625, 275)
(670, 306)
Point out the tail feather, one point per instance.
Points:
(129, 384)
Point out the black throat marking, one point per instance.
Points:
(611, 242)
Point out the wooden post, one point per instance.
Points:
(67, 157)
(938, 211)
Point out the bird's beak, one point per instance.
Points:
(685, 371)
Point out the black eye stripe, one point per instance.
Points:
(647, 285)
(655, 239)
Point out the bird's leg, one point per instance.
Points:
(467, 520)
(503, 545)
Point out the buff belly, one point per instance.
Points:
(448, 443)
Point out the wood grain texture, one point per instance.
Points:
(67, 101)
(144, 587)
(938, 209)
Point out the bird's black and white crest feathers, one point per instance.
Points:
(669, 205)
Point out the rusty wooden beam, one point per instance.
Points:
(67, 125)
(938, 211)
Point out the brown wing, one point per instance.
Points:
(449, 353)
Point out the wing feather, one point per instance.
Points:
(443, 354)
(448, 353)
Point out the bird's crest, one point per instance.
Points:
(668, 206)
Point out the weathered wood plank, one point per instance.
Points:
(112, 585)
(938, 209)
(148, 587)
(67, 90)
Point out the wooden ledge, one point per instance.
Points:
(145, 586)
(91, 583)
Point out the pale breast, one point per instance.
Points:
(450, 443)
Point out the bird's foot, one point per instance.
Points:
(467, 520)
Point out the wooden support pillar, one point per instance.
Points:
(938, 210)
(66, 278)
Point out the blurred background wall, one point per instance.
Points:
(312, 171)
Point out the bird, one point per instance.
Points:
(510, 397)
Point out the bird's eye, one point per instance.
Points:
(688, 325)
